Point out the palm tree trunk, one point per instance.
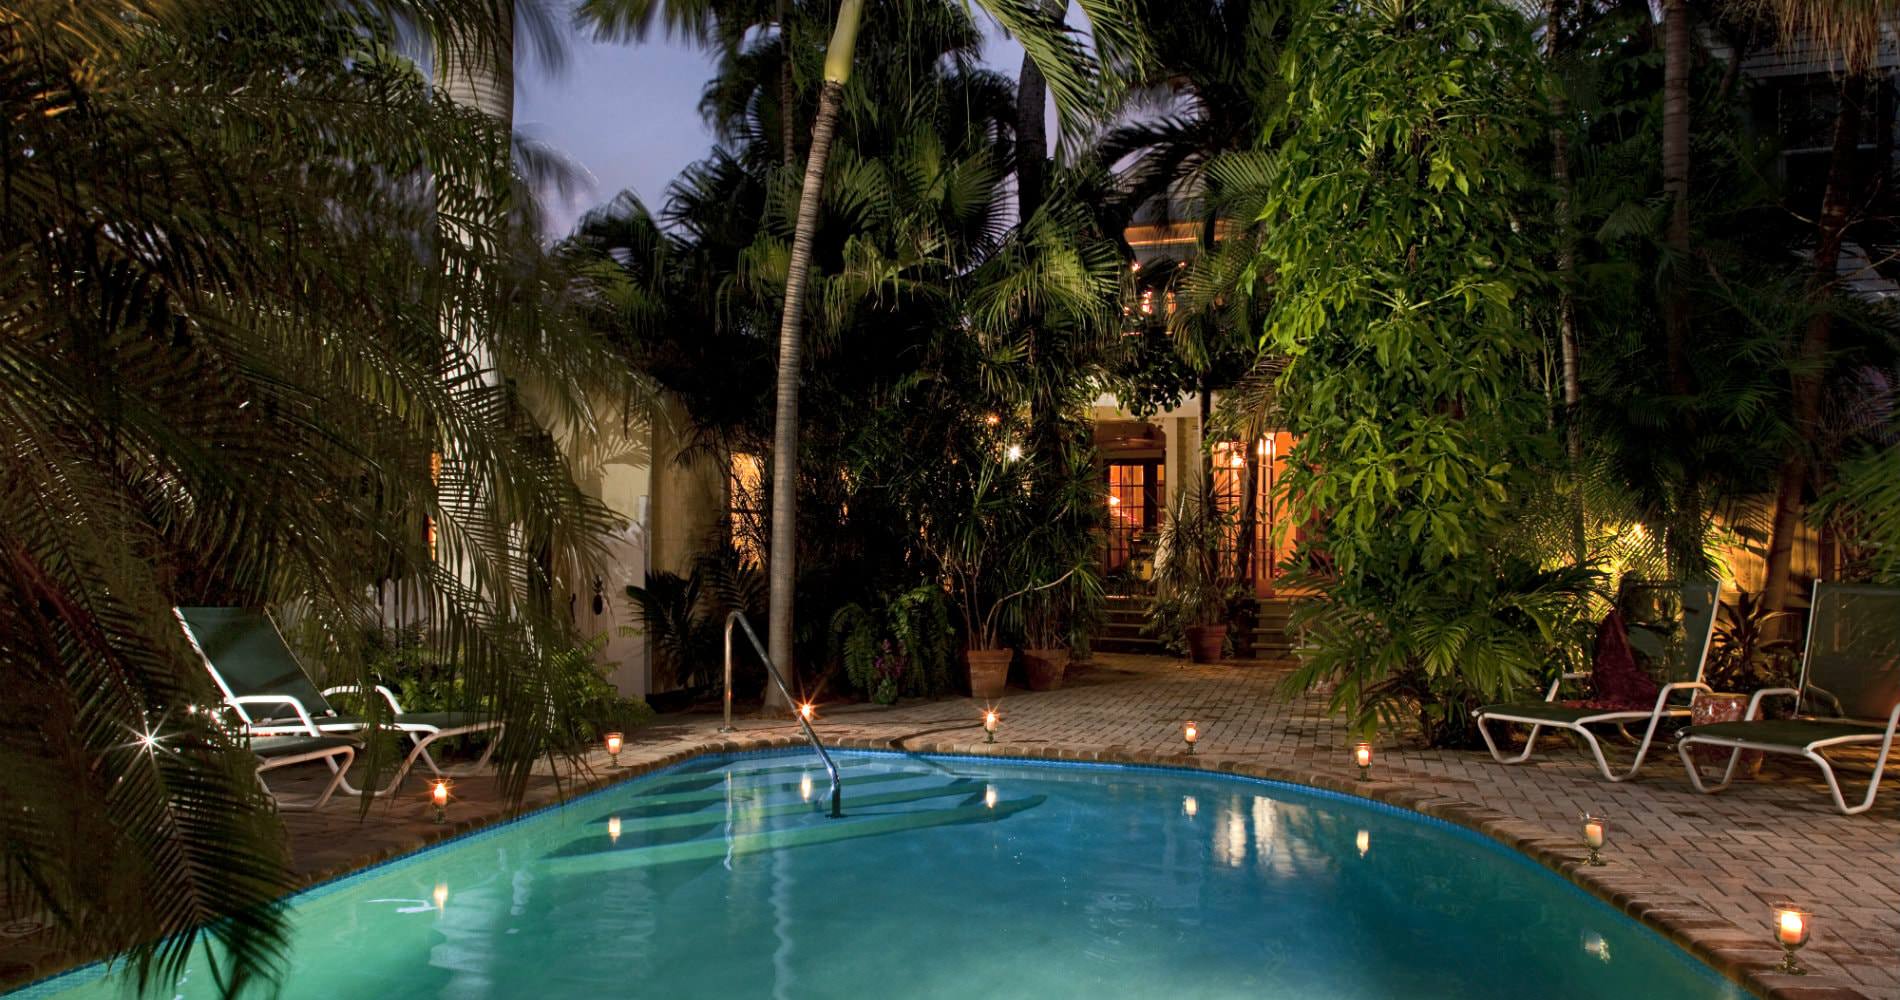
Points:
(1675, 154)
(787, 100)
(1810, 376)
(1570, 348)
(784, 555)
(1032, 136)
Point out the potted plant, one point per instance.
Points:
(981, 554)
(1747, 652)
(1188, 582)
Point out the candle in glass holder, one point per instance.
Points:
(439, 797)
(614, 742)
(1192, 734)
(807, 710)
(1362, 756)
(1791, 932)
(1596, 833)
(990, 720)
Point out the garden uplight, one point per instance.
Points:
(1191, 733)
(614, 742)
(1596, 833)
(1362, 756)
(439, 797)
(1791, 932)
(990, 719)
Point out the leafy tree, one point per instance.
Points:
(1396, 233)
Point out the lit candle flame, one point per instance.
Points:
(1191, 733)
(1362, 755)
(990, 720)
(806, 710)
(439, 793)
(614, 742)
(1791, 927)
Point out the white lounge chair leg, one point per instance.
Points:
(1530, 744)
(1686, 749)
(336, 781)
(1834, 785)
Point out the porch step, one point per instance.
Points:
(1127, 615)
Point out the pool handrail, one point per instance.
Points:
(771, 669)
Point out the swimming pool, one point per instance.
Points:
(956, 877)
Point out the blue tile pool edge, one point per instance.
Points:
(1716, 969)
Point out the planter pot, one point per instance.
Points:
(1044, 668)
(1708, 709)
(989, 671)
(1205, 642)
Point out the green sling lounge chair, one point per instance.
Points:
(1849, 693)
(1678, 657)
(262, 681)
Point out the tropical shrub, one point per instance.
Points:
(903, 647)
(1398, 237)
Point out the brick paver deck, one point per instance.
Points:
(1703, 869)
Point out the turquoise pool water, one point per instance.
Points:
(963, 878)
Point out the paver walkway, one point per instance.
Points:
(1705, 868)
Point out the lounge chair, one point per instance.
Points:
(274, 752)
(1679, 669)
(264, 683)
(1849, 693)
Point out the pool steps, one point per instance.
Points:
(697, 825)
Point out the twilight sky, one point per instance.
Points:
(629, 114)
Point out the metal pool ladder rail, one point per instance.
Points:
(738, 618)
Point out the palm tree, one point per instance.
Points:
(1070, 75)
(224, 361)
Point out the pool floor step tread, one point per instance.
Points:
(824, 832)
(757, 791)
(635, 824)
(705, 778)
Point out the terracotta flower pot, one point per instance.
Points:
(1205, 642)
(989, 671)
(1708, 709)
(1045, 668)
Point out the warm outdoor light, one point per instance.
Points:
(992, 420)
(1014, 453)
(1239, 460)
(439, 797)
(806, 710)
(1791, 930)
(989, 796)
(613, 829)
(1596, 833)
(614, 742)
(804, 787)
(441, 895)
(1192, 734)
(1363, 841)
(990, 719)
(1362, 756)
(1190, 806)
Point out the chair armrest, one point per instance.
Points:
(1559, 682)
(388, 695)
(1754, 702)
(1662, 697)
(303, 714)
